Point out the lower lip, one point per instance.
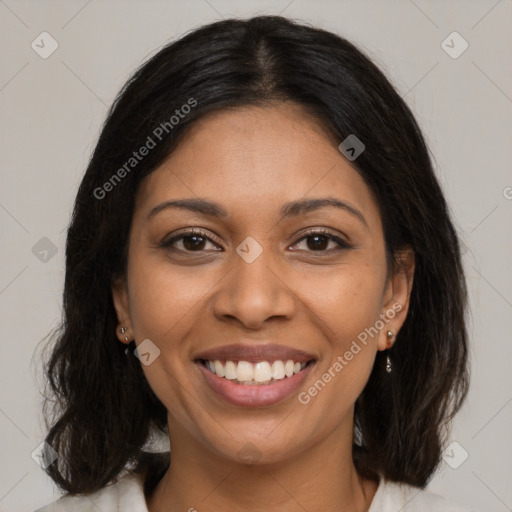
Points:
(254, 395)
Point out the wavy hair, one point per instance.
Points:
(99, 408)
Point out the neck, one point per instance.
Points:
(320, 478)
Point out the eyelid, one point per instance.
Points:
(186, 232)
(342, 243)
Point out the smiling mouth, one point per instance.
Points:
(255, 374)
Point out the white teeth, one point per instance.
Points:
(219, 369)
(262, 372)
(244, 371)
(230, 370)
(278, 370)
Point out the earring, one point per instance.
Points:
(390, 335)
(123, 330)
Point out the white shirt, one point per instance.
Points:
(127, 495)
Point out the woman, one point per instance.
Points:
(261, 229)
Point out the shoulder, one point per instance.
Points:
(394, 497)
(126, 495)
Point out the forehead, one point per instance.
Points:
(254, 159)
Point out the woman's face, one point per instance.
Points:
(258, 276)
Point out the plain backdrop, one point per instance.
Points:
(51, 112)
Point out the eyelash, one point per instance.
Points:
(166, 244)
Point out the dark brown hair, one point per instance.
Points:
(103, 409)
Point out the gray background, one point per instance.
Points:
(51, 112)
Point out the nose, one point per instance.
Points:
(252, 293)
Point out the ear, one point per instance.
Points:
(397, 297)
(121, 304)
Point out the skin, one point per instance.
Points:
(251, 160)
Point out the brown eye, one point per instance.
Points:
(191, 241)
(318, 241)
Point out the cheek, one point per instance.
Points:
(162, 307)
(163, 298)
(346, 301)
(166, 304)
(347, 314)
(347, 306)
(357, 309)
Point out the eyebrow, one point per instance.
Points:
(291, 209)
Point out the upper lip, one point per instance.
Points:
(260, 352)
